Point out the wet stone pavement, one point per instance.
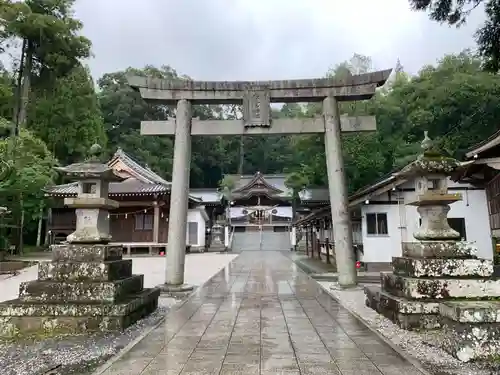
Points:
(261, 315)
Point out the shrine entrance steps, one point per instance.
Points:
(261, 240)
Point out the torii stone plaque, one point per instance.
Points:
(256, 97)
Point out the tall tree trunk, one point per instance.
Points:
(17, 97)
(26, 86)
(39, 229)
(21, 225)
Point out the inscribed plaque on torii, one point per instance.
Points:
(256, 108)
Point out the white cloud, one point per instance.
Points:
(263, 39)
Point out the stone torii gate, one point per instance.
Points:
(256, 98)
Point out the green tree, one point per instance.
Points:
(21, 192)
(123, 110)
(51, 44)
(456, 13)
(67, 117)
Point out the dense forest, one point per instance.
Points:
(51, 112)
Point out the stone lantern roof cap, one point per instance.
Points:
(430, 161)
(92, 168)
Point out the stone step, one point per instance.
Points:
(439, 249)
(471, 311)
(80, 271)
(86, 252)
(425, 288)
(30, 318)
(471, 329)
(372, 295)
(441, 268)
(80, 291)
(468, 342)
(407, 314)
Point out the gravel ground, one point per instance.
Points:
(423, 346)
(81, 354)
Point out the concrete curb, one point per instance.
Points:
(416, 363)
(312, 273)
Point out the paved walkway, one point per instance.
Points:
(261, 315)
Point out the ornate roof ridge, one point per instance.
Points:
(143, 172)
(258, 176)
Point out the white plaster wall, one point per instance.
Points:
(284, 211)
(403, 221)
(195, 215)
(237, 211)
(381, 248)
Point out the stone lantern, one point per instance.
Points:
(430, 172)
(217, 235)
(439, 282)
(87, 286)
(91, 204)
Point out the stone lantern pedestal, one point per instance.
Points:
(87, 286)
(438, 282)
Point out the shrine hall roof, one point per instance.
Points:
(138, 180)
(493, 141)
(125, 188)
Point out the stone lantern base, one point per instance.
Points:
(86, 287)
(443, 284)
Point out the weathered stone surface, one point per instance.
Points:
(372, 294)
(126, 306)
(81, 271)
(407, 314)
(405, 306)
(468, 342)
(440, 268)
(19, 318)
(439, 249)
(419, 288)
(80, 291)
(471, 311)
(355, 87)
(86, 253)
(434, 220)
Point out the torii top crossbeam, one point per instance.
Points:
(353, 87)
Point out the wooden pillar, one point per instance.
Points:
(311, 231)
(156, 222)
(327, 247)
(307, 240)
(327, 240)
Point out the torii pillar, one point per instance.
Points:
(256, 98)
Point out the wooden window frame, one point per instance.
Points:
(143, 223)
(377, 224)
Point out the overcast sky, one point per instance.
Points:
(263, 39)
